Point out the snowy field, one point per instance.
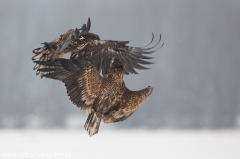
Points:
(120, 144)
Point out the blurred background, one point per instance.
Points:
(195, 76)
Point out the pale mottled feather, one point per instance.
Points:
(105, 98)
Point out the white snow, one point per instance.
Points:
(120, 144)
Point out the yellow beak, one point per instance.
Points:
(61, 55)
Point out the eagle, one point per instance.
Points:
(105, 98)
(89, 47)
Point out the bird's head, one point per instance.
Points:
(150, 90)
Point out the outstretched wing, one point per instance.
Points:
(81, 79)
(52, 50)
(101, 54)
(131, 100)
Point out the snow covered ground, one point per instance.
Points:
(120, 144)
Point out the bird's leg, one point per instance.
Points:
(61, 55)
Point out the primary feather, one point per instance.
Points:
(104, 98)
(88, 47)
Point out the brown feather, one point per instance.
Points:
(88, 46)
(104, 98)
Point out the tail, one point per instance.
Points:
(92, 124)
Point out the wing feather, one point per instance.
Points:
(91, 82)
(81, 79)
(52, 50)
(132, 57)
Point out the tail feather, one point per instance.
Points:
(92, 124)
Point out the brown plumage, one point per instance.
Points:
(104, 98)
(88, 47)
(67, 42)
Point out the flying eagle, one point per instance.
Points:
(88, 47)
(104, 98)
